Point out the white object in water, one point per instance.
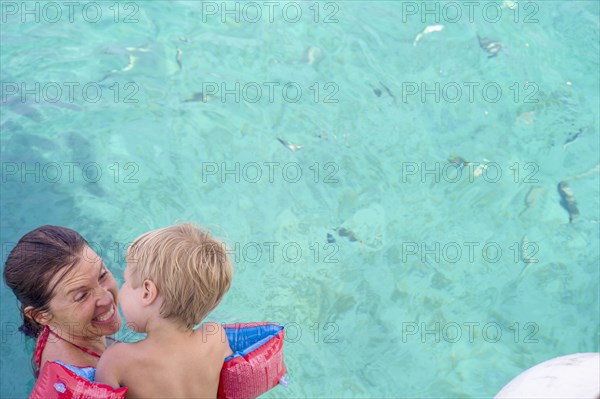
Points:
(572, 376)
(429, 29)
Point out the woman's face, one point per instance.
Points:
(85, 301)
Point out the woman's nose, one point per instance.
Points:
(103, 295)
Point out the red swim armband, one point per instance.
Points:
(257, 362)
(58, 382)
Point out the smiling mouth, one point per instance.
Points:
(105, 316)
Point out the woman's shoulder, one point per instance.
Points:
(60, 350)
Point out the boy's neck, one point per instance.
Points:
(163, 329)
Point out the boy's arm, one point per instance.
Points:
(107, 370)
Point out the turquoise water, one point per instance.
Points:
(397, 306)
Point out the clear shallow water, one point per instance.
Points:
(352, 309)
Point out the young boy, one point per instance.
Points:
(174, 277)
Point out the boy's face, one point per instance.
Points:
(131, 303)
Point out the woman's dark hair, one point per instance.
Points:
(36, 260)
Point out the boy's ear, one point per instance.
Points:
(42, 318)
(150, 292)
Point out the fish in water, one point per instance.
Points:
(489, 46)
(574, 137)
(343, 232)
(130, 65)
(460, 161)
(199, 97)
(132, 58)
(144, 49)
(313, 55)
(330, 238)
(534, 193)
(377, 92)
(567, 200)
(429, 29)
(178, 58)
(528, 250)
(388, 91)
(290, 146)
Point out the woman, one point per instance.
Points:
(69, 303)
(68, 297)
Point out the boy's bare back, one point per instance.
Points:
(174, 277)
(185, 365)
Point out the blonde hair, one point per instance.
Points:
(190, 268)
